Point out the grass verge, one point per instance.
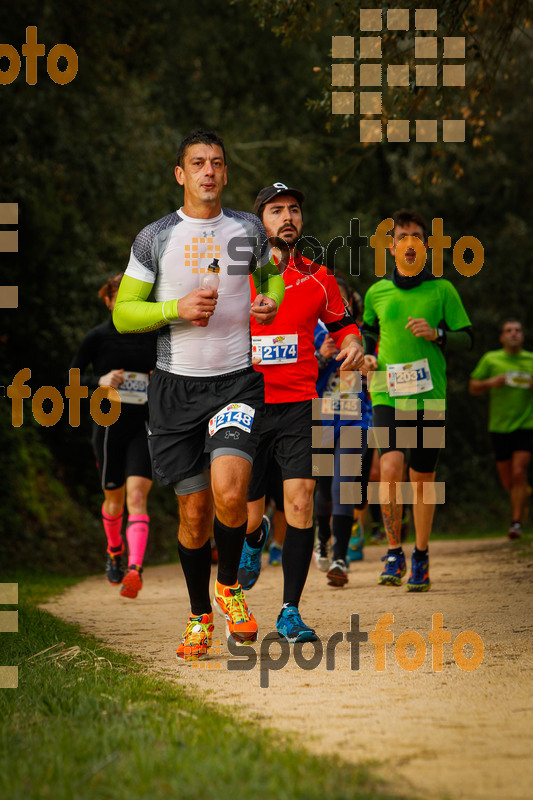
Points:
(89, 723)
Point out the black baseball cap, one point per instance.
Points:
(269, 192)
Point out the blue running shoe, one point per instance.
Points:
(274, 555)
(357, 541)
(418, 580)
(291, 626)
(394, 569)
(250, 564)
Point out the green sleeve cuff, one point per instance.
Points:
(269, 282)
(134, 313)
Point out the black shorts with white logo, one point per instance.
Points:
(285, 439)
(196, 419)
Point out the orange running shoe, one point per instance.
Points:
(132, 582)
(197, 638)
(240, 623)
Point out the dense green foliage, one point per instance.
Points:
(91, 162)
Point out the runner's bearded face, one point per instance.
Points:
(203, 175)
(282, 218)
(400, 232)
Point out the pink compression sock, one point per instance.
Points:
(137, 535)
(112, 528)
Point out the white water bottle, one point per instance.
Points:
(211, 279)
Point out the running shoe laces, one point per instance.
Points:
(236, 606)
(291, 626)
(249, 558)
(197, 638)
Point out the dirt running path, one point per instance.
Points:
(462, 734)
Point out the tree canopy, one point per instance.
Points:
(91, 162)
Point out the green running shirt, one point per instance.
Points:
(510, 406)
(438, 302)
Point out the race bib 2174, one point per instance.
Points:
(282, 349)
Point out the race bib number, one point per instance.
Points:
(518, 380)
(348, 407)
(413, 378)
(275, 349)
(234, 415)
(133, 390)
(330, 403)
(341, 395)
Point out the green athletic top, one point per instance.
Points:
(387, 308)
(510, 405)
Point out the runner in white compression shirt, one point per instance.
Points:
(173, 253)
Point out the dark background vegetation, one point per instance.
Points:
(91, 162)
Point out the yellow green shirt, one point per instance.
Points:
(510, 405)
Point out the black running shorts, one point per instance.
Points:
(122, 449)
(196, 419)
(400, 435)
(505, 444)
(285, 439)
(274, 487)
(365, 475)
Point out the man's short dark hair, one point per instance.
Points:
(504, 322)
(199, 137)
(405, 216)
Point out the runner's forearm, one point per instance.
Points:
(85, 356)
(269, 282)
(351, 338)
(480, 386)
(134, 314)
(91, 381)
(370, 337)
(455, 341)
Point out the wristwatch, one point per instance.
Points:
(441, 336)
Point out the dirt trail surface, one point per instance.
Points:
(453, 733)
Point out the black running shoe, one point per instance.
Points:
(113, 568)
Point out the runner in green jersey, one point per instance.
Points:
(412, 320)
(508, 375)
